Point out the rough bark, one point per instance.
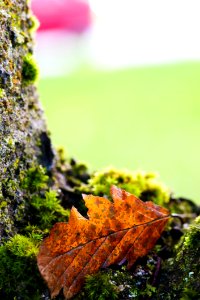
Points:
(23, 133)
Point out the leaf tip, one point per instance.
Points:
(117, 193)
(74, 215)
(84, 196)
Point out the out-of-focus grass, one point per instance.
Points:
(143, 118)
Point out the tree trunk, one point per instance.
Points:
(23, 134)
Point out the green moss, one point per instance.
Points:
(30, 70)
(122, 283)
(179, 279)
(43, 203)
(99, 287)
(135, 284)
(189, 294)
(10, 142)
(1, 93)
(142, 184)
(189, 242)
(147, 293)
(34, 179)
(35, 233)
(48, 210)
(21, 245)
(19, 277)
(3, 204)
(18, 268)
(33, 23)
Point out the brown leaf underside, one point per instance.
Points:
(123, 230)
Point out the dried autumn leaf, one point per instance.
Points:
(123, 230)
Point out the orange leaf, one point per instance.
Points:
(123, 230)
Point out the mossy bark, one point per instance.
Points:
(23, 132)
(181, 274)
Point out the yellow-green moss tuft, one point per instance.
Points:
(30, 71)
(49, 210)
(33, 23)
(1, 93)
(21, 245)
(142, 184)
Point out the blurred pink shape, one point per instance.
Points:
(71, 15)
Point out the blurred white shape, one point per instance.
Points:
(59, 52)
(126, 33)
(132, 32)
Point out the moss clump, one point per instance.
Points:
(189, 260)
(121, 284)
(33, 23)
(100, 287)
(1, 93)
(49, 210)
(30, 71)
(21, 245)
(181, 273)
(43, 203)
(34, 179)
(19, 277)
(142, 184)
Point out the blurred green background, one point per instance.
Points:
(141, 118)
